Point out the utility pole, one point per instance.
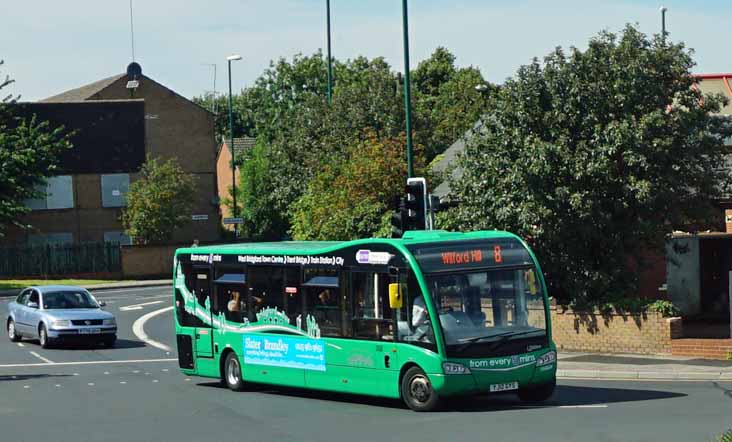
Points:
(229, 59)
(663, 22)
(407, 94)
(330, 59)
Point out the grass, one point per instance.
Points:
(11, 284)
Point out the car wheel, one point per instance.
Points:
(417, 392)
(12, 332)
(539, 393)
(43, 337)
(232, 373)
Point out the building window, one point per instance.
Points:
(118, 236)
(114, 189)
(52, 239)
(57, 193)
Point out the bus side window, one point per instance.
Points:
(185, 318)
(372, 316)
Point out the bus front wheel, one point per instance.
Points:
(417, 392)
(539, 393)
(232, 372)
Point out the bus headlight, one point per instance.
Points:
(453, 368)
(546, 358)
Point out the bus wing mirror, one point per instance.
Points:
(396, 299)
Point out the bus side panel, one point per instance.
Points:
(358, 366)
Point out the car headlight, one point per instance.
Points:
(546, 358)
(109, 322)
(453, 368)
(61, 323)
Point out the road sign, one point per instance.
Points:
(199, 217)
(233, 220)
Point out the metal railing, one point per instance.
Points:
(57, 260)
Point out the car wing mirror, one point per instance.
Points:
(32, 305)
(101, 303)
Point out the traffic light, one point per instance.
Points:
(416, 204)
(398, 217)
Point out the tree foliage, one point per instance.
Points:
(348, 197)
(158, 202)
(299, 132)
(29, 153)
(594, 156)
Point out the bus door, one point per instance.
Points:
(203, 334)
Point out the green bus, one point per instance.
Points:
(430, 315)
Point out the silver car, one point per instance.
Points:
(58, 313)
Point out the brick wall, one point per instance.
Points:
(646, 333)
(147, 261)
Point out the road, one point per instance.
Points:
(134, 392)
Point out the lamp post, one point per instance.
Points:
(330, 59)
(663, 22)
(229, 59)
(407, 95)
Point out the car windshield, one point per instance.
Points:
(68, 299)
(481, 311)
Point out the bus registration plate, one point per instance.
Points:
(504, 387)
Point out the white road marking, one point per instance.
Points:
(46, 360)
(101, 292)
(75, 374)
(106, 372)
(138, 328)
(165, 369)
(582, 406)
(91, 384)
(135, 371)
(20, 344)
(58, 385)
(138, 306)
(26, 386)
(122, 382)
(187, 379)
(123, 361)
(155, 380)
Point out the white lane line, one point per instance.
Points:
(124, 361)
(20, 344)
(91, 384)
(102, 292)
(123, 382)
(138, 328)
(138, 306)
(582, 406)
(26, 386)
(46, 360)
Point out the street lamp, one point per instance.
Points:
(330, 59)
(229, 59)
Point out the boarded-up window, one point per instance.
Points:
(58, 194)
(114, 189)
(117, 236)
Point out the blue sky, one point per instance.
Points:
(50, 46)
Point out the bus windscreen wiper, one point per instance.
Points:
(503, 337)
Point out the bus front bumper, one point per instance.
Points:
(480, 381)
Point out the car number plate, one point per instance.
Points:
(504, 387)
(89, 331)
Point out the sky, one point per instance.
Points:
(50, 46)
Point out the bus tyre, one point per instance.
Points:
(232, 373)
(539, 393)
(416, 390)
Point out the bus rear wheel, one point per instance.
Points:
(539, 393)
(232, 372)
(417, 392)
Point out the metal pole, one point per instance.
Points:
(407, 95)
(663, 21)
(231, 147)
(729, 293)
(330, 59)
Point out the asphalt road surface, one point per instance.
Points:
(134, 392)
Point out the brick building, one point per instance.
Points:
(140, 117)
(242, 147)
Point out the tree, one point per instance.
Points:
(594, 157)
(158, 202)
(29, 153)
(349, 198)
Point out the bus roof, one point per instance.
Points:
(318, 247)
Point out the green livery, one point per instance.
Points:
(430, 315)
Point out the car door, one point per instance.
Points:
(33, 314)
(18, 308)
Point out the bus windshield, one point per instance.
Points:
(479, 309)
(488, 297)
